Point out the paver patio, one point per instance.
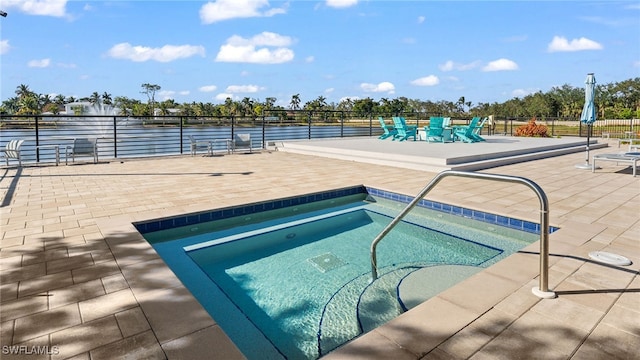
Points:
(78, 281)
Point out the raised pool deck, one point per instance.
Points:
(78, 280)
(438, 156)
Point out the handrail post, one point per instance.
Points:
(543, 290)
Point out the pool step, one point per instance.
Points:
(411, 289)
(394, 292)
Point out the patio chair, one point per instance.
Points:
(631, 158)
(389, 130)
(465, 133)
(12, 151)
(243, 142)
(476, 131)
(403, 130)
(82, 146)
(200, 145)
(436, 131)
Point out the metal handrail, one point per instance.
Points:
(543, 290)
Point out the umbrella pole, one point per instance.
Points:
(586, 165)
(588, 136)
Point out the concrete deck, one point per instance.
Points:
(78, 281)
(437, 157)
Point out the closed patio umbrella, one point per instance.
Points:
(588, 116)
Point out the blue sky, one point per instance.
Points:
(486, 51)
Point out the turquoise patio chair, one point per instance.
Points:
(435, 131)
(476, 131)
(403, 130)
(389, 130)
(465, 133)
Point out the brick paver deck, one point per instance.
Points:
(78, 281)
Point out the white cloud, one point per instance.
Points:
(430, 80)
(164, 54)
(329, 90)
(341, 3)
(384, 86)
(421, 19)
(184, 92)
(636, 63)
(500, 65)
(207, 88)
(55, 8)
(254, 50)
(560, 43)
(450, 65)
(242, 89)
(224, 96)
(352, 98)
(309, 59)
(523, 92)
(166, 94)
(230, 9)
(39, 63)
(4, 46)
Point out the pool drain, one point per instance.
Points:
(326, 262)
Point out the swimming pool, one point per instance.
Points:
(290, 278)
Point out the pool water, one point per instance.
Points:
(295, 282)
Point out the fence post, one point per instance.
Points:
(264, 138)
(232, 127)
(37, 141)
(341, 123)
(181, 132)
(115, 138)
(309, 120)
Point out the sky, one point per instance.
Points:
(484, 51)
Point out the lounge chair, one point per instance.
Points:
(200, 145)
(243, 142)
(403, 130)
(476, 131)
(82, 146)
(436, 130)
(632, 158)
(389, 130)
(465, 133)
(12, 151)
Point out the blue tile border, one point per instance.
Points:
(243, 210)
(196, 218)
(490, 218)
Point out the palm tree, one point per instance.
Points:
(28, 105)
(94, 99)
(295, 102)
(106, 98)
(23, 91)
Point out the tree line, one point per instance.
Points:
(619, 100)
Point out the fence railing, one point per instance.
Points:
(122, 137)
